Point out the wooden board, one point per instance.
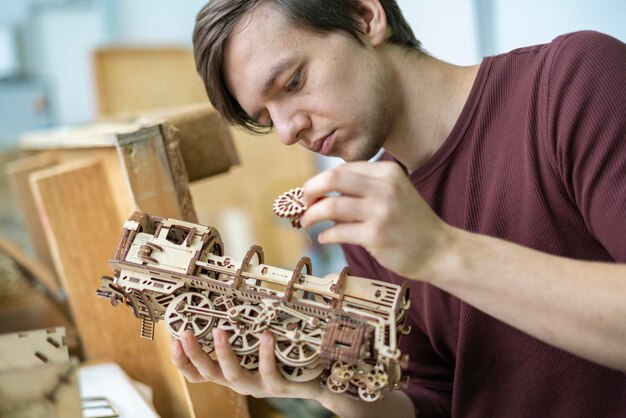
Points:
(130, 79)
(17, 175)
(33, 269)
(148, 171)
(198, 142)
(82, 229)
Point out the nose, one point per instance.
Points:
(289, 123)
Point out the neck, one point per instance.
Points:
(430, 95)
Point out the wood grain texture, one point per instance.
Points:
(17, 173)
(81, 225)
(130, 78)
(148, 172)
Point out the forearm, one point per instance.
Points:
(574, 305)
(394, 404)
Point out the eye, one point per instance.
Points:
(294, 83)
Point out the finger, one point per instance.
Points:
(207, 368)
(341, 181)
(229, 363)
(337, 209)
(184, 365)
(272, 378)
(344, 233)
(372, 169)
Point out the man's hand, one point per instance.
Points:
(378, 209)
(197, 366)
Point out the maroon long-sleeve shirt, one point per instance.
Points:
(537, 157)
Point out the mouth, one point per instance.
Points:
(324, 145)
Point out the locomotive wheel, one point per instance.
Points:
(299, 344)
(376, 379)
(239, 326)
(342, 372)
(300, 374)
(369, 395)
(178, 319)
(335, 386)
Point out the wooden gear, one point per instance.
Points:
(339, 328)
(290, 205)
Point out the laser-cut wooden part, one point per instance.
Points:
(290, 205)
(340, 329)
(37, 377)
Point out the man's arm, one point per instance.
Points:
(574, 305)
(577, 306)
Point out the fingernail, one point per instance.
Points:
(218, 337)
(266, 338)
(175, 349)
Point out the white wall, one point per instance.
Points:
(447, 28)
(66, 38)
(529, 22)
(156, 21)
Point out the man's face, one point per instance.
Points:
(326, 92)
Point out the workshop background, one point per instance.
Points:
(70, 63)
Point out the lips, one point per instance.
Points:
(324, 145)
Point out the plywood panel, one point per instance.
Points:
(17, 173)
(131, 79)
(82, 228)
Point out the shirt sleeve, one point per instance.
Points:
(587, 127)
(430, 375)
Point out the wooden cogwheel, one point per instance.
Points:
(290, 205)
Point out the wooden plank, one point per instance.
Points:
(148, 172)
(204, 139)
(33, 269)
(82, 228)
(17, 175)
(124, 85)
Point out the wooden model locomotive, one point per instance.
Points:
(341, 329)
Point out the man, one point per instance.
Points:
(511, 243)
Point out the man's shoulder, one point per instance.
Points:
(584, 45)
(572, 43)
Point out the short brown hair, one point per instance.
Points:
(216, 20)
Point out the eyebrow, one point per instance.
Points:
(276, 70)
(274, 73)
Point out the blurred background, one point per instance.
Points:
(46, 45)
(65, 63)
(47, 74)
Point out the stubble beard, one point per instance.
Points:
(375, 136)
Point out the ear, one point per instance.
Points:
(374, 21)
